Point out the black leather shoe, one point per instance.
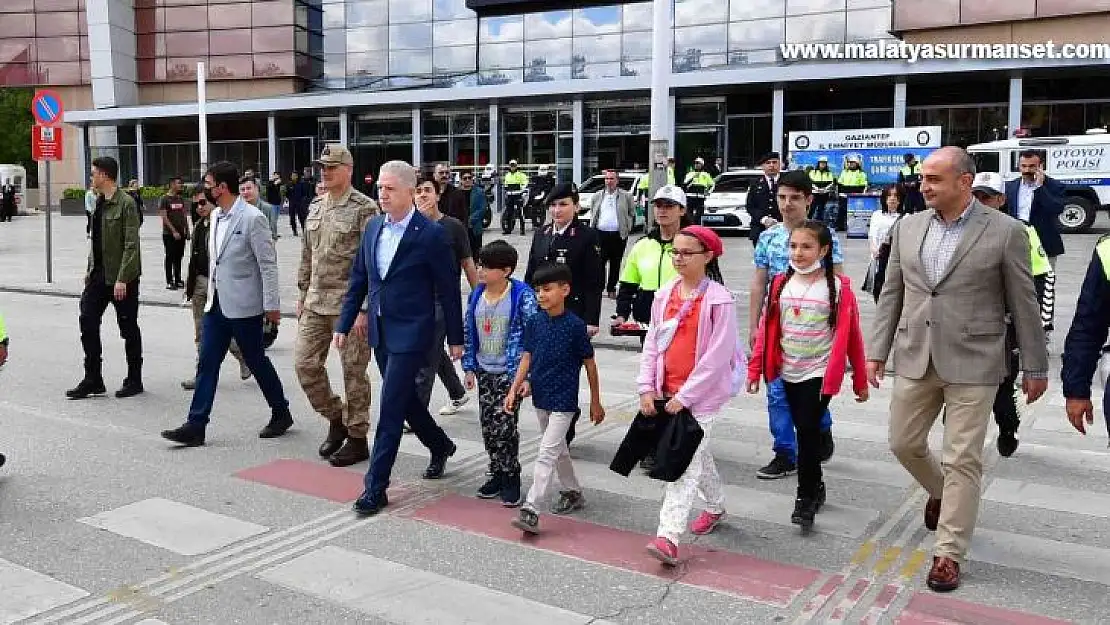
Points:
(439, 464)
(187, 435)
(87, 388)
(1007, 443)
(278, 425)
(369, 505)
(354, 451)
(130, 388)
(337, 433)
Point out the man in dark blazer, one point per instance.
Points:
(396, 278)
(1038, 200)
(761, 204)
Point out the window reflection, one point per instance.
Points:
(458, 32)
(550, 25)
(499, 29)
(600, 49)
(410, 62)
(278, 13)
(636, 46)
(182, 44)
(867, 4)
(756, 34)
(367, 13)
(451, 9)
(869, 24)
(401, 11)
(454, 59)
(799, 7)
(501, 56)
(54, 24)
(598, 70)
(815, 28)
(704, 39)
(694, 12)
(265, 39)
(229, 16)
(361, 64)
(636, 16)
(335, 16)
(911, 14)
(266, 65)
(995, 11)
(408, 36)
(756, 9)
(597, 21)
(551, 51)
(367, 39)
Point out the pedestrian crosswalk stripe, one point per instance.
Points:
(1049, 497)
(26, 593)
(175, 526)
(1048, 557)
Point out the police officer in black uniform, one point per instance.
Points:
(909, 178)
(566, 241)
(762, 205)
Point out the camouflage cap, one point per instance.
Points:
(335, 154)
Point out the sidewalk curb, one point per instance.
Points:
(23, 290)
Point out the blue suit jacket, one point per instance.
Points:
(1048, 203)
(405, 298)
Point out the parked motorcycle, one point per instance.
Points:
(514, 206)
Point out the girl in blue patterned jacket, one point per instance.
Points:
(498, 310)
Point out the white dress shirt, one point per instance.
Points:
(607, 219)
(1025, 200)
(390, 239)
(221, 229)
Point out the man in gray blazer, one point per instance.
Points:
(614, 215)
(954, 272)
(243, 289)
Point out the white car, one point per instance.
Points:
(725, 205)
(627, 180)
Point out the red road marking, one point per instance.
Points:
(930, 609)
(307, 478)
(817, 603)
(750, 578)
(844, 608)
(881, 604)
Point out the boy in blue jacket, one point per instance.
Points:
(497, 312)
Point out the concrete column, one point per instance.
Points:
(1014, 117)
(112, 66)
(343, 121)
(900, 104)
(494, 137)
(662, 44)
(672, 117)
(140, 154)
(578, 141)
(778, 118)
(271, 144)
(83, 155)
(417, 137)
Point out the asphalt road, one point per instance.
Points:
(101, 521)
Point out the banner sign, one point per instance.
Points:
(880, 151)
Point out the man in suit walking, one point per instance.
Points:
(242, 291)
(397, 277)
(1038, 200)
(614, 215)
(954, 273)
(761, 204)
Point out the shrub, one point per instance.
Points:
(151, 193)
(73, 193)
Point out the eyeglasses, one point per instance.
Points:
(686, 253)
(202, 202)
(467, 177)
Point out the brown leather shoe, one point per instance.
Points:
(337, 433)
(945, 574)
(354, 451)
(932, 514)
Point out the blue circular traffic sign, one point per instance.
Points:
(47, 108)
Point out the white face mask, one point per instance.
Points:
(805, 271)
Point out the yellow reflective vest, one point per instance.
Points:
(850, 178)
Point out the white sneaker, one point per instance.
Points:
(453, 406)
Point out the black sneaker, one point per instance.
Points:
(778, 468)
(511, 496)
(821, 495)
(528, 521)
(828, 446)
(87, 388)
(1007, 443)
(186, 435)
(804, 512)
(491, 488)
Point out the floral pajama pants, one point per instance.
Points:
(701, 479)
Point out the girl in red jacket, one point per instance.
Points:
(808, 334)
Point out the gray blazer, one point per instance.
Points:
(244, 270)
(959, 324)
(626, 210)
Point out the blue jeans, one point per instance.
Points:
(400, 402)
(782, 423)
(216, 332)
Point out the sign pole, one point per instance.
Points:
(49, 232)
(202, 117)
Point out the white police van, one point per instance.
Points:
(1080, 162)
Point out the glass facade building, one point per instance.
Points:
(43, 42)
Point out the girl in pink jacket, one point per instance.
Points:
(808, 334)
(687, 362)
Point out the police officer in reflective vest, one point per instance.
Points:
(565, 241)
(824, 185)
(909, 178)
(698, 183)
(851, 180)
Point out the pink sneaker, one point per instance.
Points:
(706, 522)
(663, 550)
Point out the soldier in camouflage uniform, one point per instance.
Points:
(332, 235)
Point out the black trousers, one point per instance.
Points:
(612, 252)
(175, 251)
(94, 301)
(807, 406)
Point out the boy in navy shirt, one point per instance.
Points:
(556, 346)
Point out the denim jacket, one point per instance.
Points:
(522, 309)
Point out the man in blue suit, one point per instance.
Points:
(396, 277)
(1038, 200)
